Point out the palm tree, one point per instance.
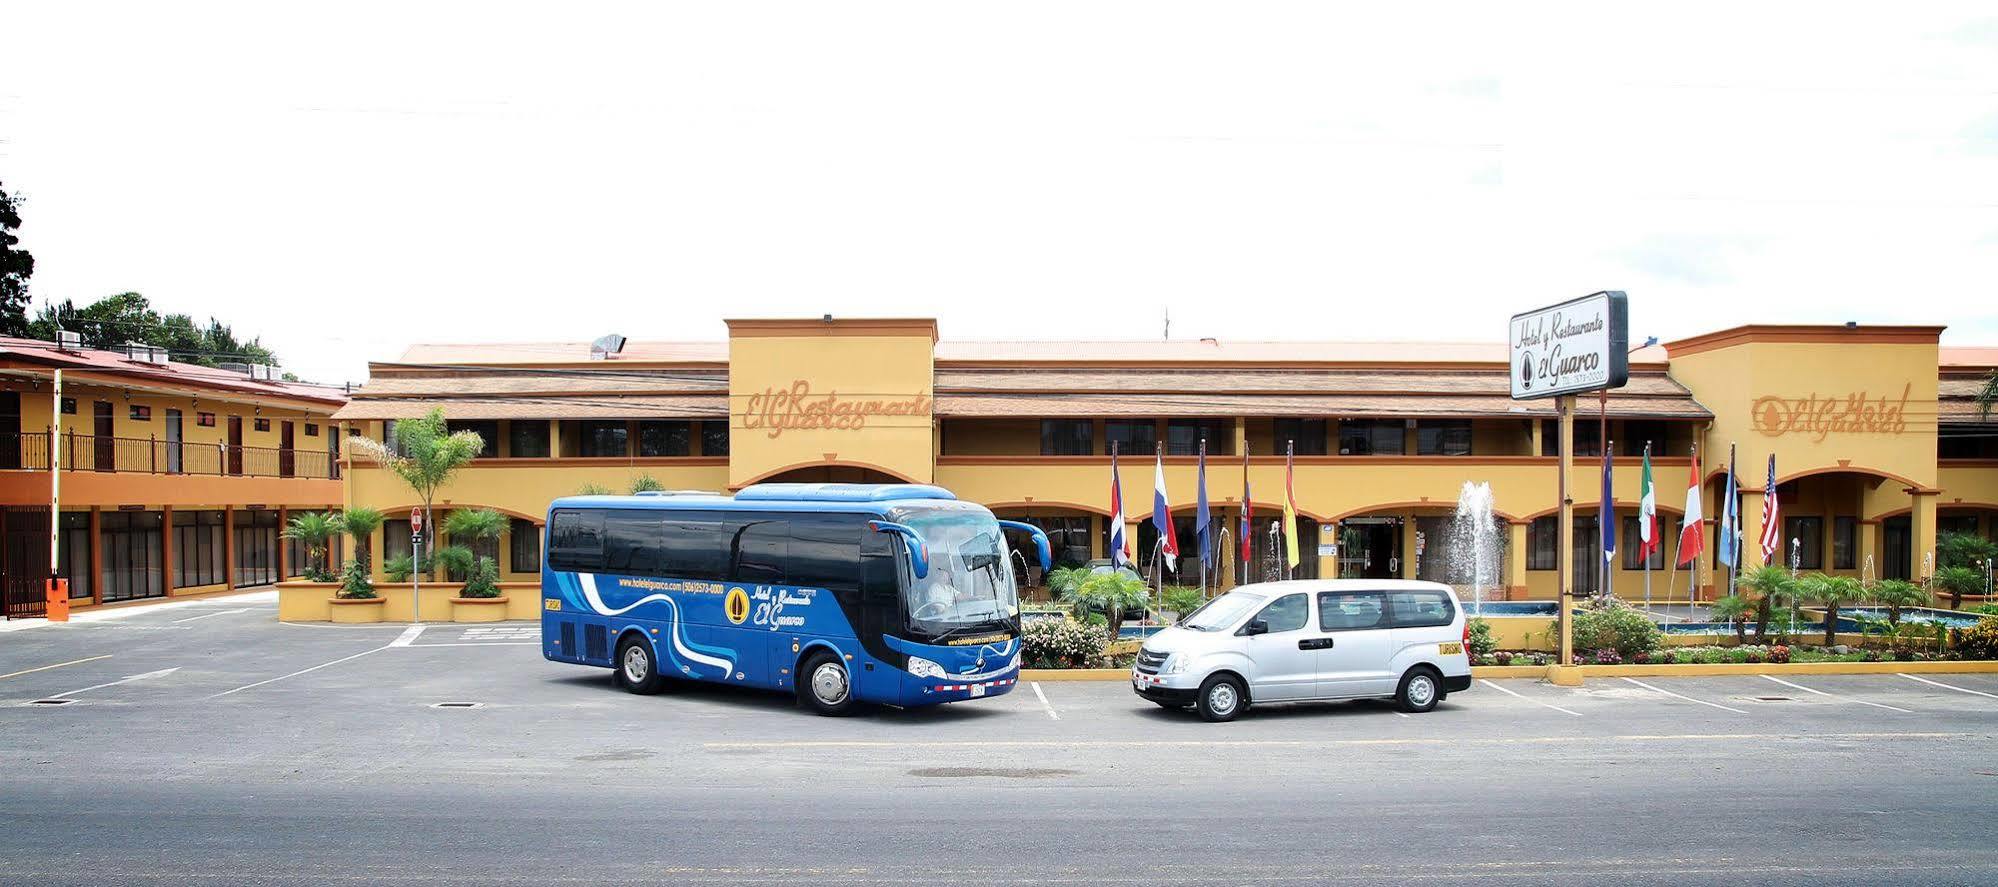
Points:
(1959, 581)
(360, 524)
(1987, 397)
(1734, 609)
(314, 529)
(1063, 581)
(1769, 582)
(1895, 594)
(427, 455)
(1110, 593)
(1831, 591)
(470, 525)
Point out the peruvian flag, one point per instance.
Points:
(1120, 548)
(1162, 513)
(1647, 514)
(1692, 537)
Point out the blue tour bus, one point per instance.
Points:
(839, 593)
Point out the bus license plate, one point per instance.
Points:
(977, 689)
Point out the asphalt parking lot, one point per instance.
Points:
(205, 742)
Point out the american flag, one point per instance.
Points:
(1772, 530)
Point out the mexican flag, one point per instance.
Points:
(1647, 513)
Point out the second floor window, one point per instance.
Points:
(714, 438)
(1131, 437)
(527, 439)
(601, 438)
(1370, 437)
(1183, 436)
(1309, 435)
(1067, 437)
(1443, 438)
(486, 429)
(1588, 438)
(664, 438)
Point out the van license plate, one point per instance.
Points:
(1450, 649)
(977, 689)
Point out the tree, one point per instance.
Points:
(1895, 594)
(1959, 581)
(1110, 593)
(1987, 397)
(129, 317)
(473, 525)
(1769, 582)
(1832, 592)
(314, 529)
(16, 266)
(360, 523)
(1734, 609)
(426, 456)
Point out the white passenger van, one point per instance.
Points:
(1309, 640)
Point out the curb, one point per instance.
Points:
(1611, 671)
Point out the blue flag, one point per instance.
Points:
(1730, 533)
(1201, 525)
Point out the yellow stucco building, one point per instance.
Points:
(1877, 440)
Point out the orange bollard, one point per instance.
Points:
(58, 606)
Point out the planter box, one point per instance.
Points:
(479, 609)
(355, 610)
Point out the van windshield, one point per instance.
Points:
(1222, 611)
(969, 587)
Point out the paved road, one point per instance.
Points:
(235, 768)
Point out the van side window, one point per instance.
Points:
(1350, 610)
(1420, 609)
(576, 541)
(1286, 613)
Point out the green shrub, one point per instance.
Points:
(1610, 624)
(1061, 643)
(1979, 641)
(354, 581)
(1483, 645)
(1984, 609)
(484, 581)
(645, 483)
(1181, 599)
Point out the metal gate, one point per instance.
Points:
(24, 562)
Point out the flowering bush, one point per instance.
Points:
(1664, 657)
(1061, 643)
(1641, 659)
(1608, 623)
(1752, 657)
(1608, 656)
(1779, 653)
(1483, 645)
(1979, 641)
(1502, 657)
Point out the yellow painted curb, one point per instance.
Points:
(1611, 671)
(1563, 675)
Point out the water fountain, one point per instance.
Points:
(1474, 553)
(1866, 572)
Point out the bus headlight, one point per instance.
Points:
(923, 668)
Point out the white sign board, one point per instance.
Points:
(1578, 345)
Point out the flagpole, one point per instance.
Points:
(1644, 522)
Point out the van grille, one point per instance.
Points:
(1150, 661)
(595, 647)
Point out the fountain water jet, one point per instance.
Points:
(1474, 552)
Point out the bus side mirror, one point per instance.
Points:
(919, 551)
(1040, 540)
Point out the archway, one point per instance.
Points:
(831, 474)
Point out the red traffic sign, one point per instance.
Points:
(416, 520)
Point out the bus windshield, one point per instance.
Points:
(969, 587)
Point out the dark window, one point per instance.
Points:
(1543, 544)
(1638, 432)
(256, 547)
(141, 413)
(1068, 539)
(132, 559)
(632, 542)
(714, 438)
(1131, 438)
(198, 549)
(601, 438)
(205, 420)
(73, 558)
(1310, 435)
(311, 429)
(1588, 552)
(1808, 532)
(524, 546)
(1952, 441)
(576, 541)
(659, 438)
(1370, 437)
(1420, 609)
(1286, 613)
(527, 439)
(1960, 524)
(486, 429)
(69, 409)
(696, 546)
(1183, 436)
(1844, 544)
(1633, 539)
(825, 552)
(760, 551)
(1067, 437)
(395, 539)
(262, 424)
(1588, 438)
(1350, 610)
(1443, 438)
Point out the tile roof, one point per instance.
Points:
(170, 374)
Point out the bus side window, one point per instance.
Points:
(695, 547)
(825, 552)
(761, 547)
(576, 541)
(632, 543)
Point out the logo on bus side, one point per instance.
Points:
(737, 605)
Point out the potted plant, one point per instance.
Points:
(355, 599)
(314, 530)
(426, 456)
(479, 600)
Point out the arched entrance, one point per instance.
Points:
(832, 474)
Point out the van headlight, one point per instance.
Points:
(923, 668)
(1178, 664)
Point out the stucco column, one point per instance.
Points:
(1922, 532)
(283, 550)
(1328, 564)
(1869, 549)
(1751, 532)
(555, 439)
(1241, 435)
(166, 550)
(1533, 439)
(228, 546)
(1408, 556)
(1515, 559)
(96, 556)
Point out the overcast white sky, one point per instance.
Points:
(343, 179)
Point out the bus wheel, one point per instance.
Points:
(636, 671)
(826, 686)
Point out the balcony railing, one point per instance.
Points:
(143, 455)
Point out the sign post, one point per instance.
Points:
(416, 564)
(1559, 351)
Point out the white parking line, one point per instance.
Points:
(476, 644)
(1833, 696)
(298, 672)
(1528, 698)
(218, 613)
(1947, 686)
(1687, 698)
(408, 636)
(1043, 697)
(125, 680)
(57, 665)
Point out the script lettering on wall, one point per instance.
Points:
(1820, 417)
(777, 410)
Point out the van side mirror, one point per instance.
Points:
(1256, 626)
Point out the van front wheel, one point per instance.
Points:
(1221, 698)
(1420, 691)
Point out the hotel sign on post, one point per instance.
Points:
(1576, 346)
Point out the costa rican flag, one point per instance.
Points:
(1120, 554)
(1162, 513)
(1772, 530)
